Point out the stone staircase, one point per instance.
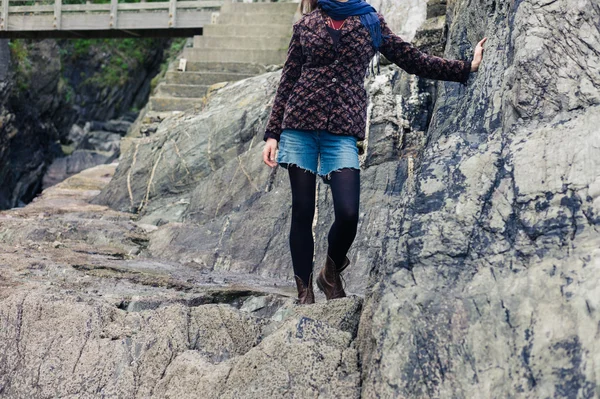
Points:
(244, 41)
(246, 33)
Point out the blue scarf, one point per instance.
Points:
(339, 10)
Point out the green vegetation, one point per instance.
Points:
(113, 60)
(19, 52)
(81, 47)
(65, 88)
(124, 55)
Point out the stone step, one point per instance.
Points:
(256, 19)
(260, 43)
(264, 30)
(228, 55)
(206, 78)
(162, 104)
(180, 90)
(228, 67)
(248, 8)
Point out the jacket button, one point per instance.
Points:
(335, 62)
(334, 79)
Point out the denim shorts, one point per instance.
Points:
(317, 151)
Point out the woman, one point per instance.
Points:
(319, 114)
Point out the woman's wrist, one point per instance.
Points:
(478, 55)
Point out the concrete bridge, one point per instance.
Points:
(104, 18)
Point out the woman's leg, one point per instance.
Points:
(303, 210)
(345, 189)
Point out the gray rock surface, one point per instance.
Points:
(208, 351)
(477, 250)
(404, 17)
(488, 278)
(84, 315)
(91, 147)
(72, 164)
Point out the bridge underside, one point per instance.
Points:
(99, 33)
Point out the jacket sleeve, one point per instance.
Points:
(289, 75)
(413, 61)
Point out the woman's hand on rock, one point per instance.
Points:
(478, 55)
(269, 152)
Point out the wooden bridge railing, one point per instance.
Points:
(56, 18)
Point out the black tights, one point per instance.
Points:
(345, 189)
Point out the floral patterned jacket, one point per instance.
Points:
(322, 85)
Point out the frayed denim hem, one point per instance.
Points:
(327, 178)
(285, 165)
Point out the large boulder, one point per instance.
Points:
(488, 283)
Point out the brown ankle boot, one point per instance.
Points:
(329, 280)
(306, 294)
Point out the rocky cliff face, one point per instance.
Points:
(487, 284)
(51, 87)
(475, 269)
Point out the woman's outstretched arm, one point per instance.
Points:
(289, 75)
(414, 61)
